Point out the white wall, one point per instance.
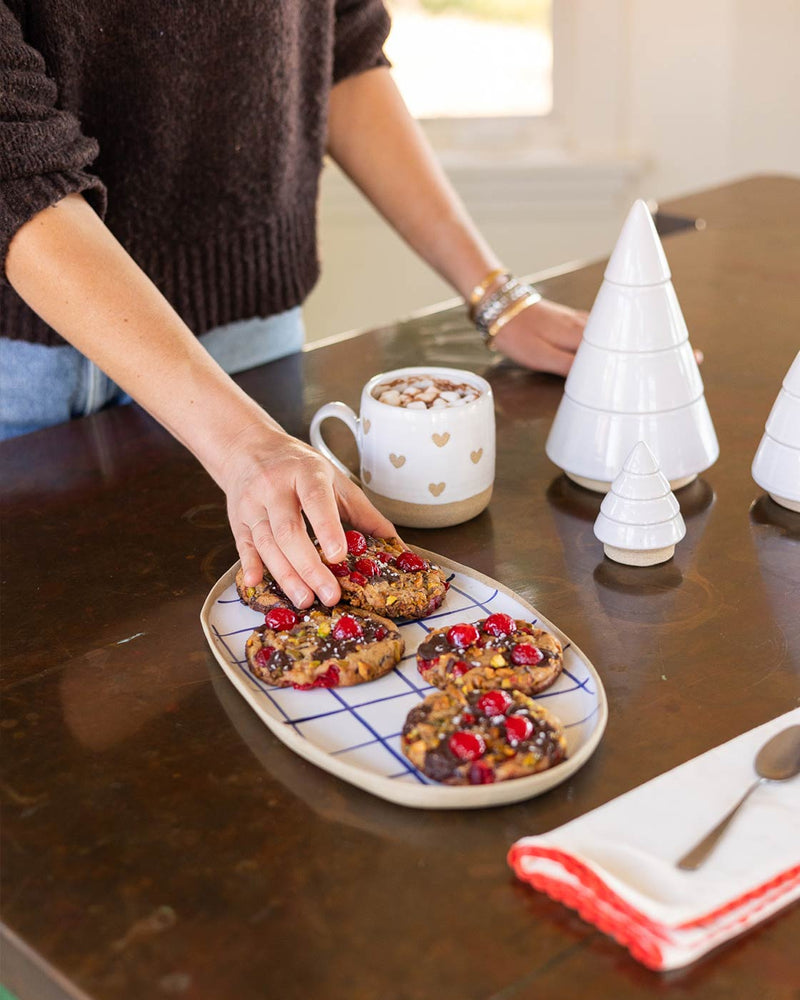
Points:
(653, 98)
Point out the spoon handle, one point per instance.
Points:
(698, 854)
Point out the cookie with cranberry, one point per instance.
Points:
(265, 595)
(380, 574)
(495, 652)
(323, 647)
(475, 738)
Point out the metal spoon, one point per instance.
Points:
(777, 760)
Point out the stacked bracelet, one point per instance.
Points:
(482, 287)
(490, 313)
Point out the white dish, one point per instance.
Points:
(776, 469)
(594, 444)
(638, 257)
(354, 732)
(634, 381)
(792, 381)
(783, 423)
(648, 318)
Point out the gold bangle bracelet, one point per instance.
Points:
(480, 289)
(509, 314)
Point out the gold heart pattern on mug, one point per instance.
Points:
(440, 440)
(476, 456)
(397, 460)
(367, 476)
(367, 425)
(436, 488)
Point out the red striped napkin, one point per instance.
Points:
(616, 865)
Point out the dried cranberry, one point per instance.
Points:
(339, 569)
(424, 665)
(263, 655)
(359, 578)
(281, 619)
(367, 566)
(381, 632)
(494, 702)
(459, 668)
(525, 653)
(385, 557)
(518, 728)
(467, 746)
(329, 679)
(499, 625)
(356, 543)
(468, 718)
(347, 628)
(410, 562)
(462, 635)
(481, 773)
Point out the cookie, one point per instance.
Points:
(495, 652)
(475, 738)
(265, 595)
(380, 574)
(322, 647)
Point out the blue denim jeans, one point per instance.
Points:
(41, 386)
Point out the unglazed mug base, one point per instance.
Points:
(600, 486)
(429, 515)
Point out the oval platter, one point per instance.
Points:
(354, 732)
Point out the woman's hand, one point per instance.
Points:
(544, 337)
(271, 480)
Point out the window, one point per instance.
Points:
(473, 58)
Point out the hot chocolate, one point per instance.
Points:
(424, 393)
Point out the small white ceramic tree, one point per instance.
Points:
(640, 520)
(635, 377)
(776, 466)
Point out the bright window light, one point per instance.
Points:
(473, 58)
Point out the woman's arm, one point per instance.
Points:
(377, 143)
(71, 270)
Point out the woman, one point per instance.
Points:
(197, 133)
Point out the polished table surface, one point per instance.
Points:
(159, 841)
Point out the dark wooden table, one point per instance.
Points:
(159, 841)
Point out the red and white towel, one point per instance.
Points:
(616, 865)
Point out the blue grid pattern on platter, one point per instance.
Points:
(362, 724)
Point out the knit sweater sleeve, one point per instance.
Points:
(360, 31)
(43, 154)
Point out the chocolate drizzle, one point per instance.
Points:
(434, 646)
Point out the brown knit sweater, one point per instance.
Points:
(196, 126)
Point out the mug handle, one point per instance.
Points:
(342, 412)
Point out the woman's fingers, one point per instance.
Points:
(287, 577)
(318, 502)
(290, 535)
(357, 509)
(272, 484)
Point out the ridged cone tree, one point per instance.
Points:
(635, 377)
(776, 466)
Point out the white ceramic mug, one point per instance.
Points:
(422, 468)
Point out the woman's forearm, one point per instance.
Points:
(377, 143)
(71, 270)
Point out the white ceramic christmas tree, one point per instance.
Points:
(776, 466)
(635, 377)
(640, 520)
